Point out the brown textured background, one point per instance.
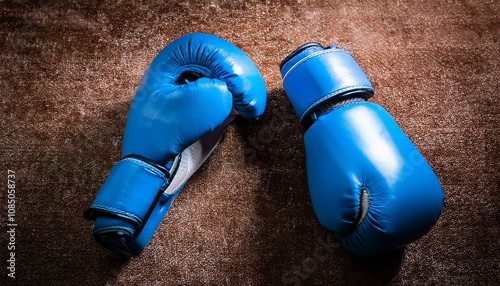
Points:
(68, 71)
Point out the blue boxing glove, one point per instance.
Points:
(367, 181)
(190, 93)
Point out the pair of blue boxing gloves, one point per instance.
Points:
(368, 183)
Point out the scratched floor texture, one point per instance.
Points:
(68, 72)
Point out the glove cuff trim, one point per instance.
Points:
(314, 76)
(96, 210)
(130, 194)
(150, 165)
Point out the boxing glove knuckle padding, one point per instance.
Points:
(193, 89)
(368, 183)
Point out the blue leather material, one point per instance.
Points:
(120, 208)
(211, 57)
(316, 75)
(182, 105)
(158, 135)
(300, 53)
(161, 208)
(360, 147)
(368, 183)
(118, 197)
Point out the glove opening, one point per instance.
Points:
(364, 201)
(191, 72)
(188, 76)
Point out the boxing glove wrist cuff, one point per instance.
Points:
(126, 201)
(331, 105)
(323, 75)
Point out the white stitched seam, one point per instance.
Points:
(114, 227)
(304, 51)
(312, 56)
(147, 166)
(139, 220)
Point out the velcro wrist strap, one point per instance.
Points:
(127, 198)
(138, 193)
(311, 79)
